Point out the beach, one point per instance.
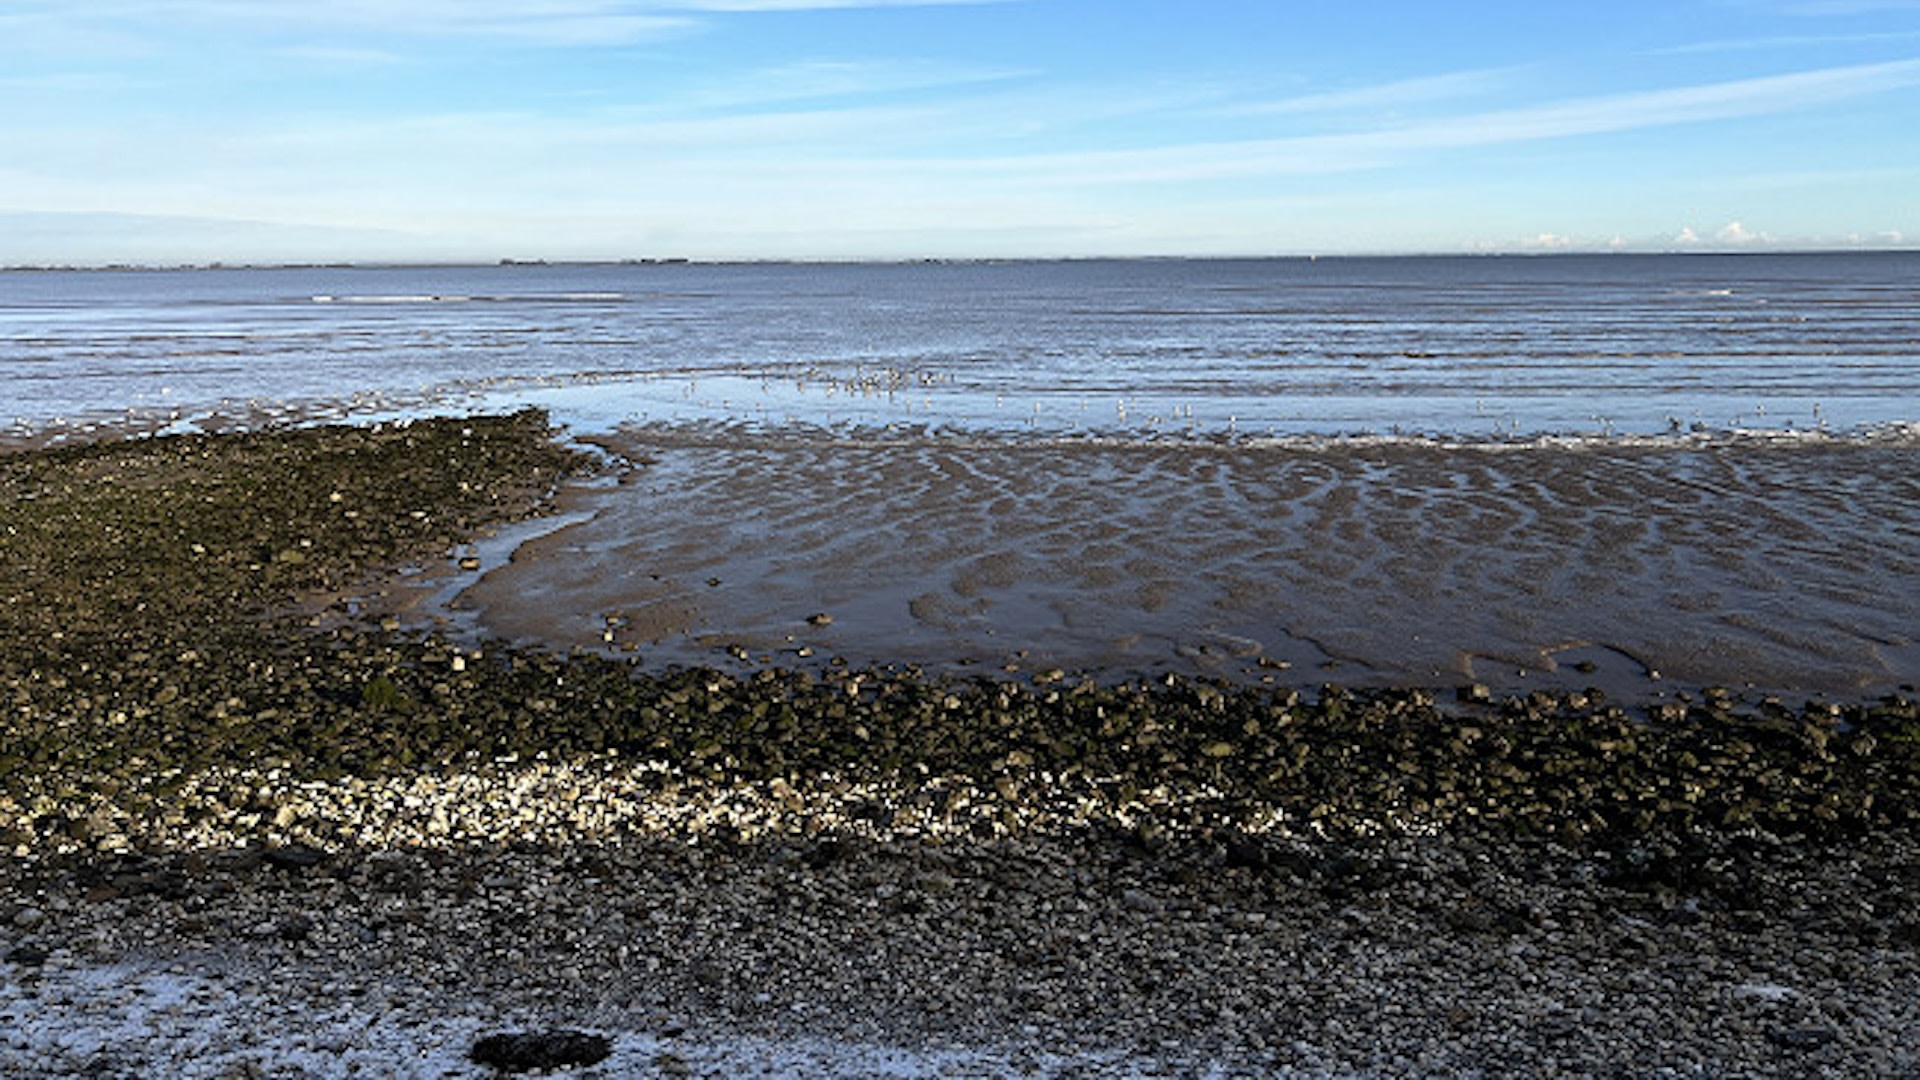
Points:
(1093, 760)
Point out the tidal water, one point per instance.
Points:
(1473, 348)
(1632, 472)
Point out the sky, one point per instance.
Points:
(477, 130)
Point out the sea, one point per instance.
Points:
(1635, 473)
(1430, 347)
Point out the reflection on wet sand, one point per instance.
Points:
(1792, 566)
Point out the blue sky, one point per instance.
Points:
(256, 130)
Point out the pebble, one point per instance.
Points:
(1172, 963)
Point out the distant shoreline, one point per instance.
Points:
(984, 260)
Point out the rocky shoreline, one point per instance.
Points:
(207, 775)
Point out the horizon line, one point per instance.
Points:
(916, 260)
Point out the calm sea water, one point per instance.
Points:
(1451, 347)
(1119, 466)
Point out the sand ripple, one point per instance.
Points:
(1789, 567)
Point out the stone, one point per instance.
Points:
(1246, 853)
(526, 1051)
(1806, 1038)
(295, 857)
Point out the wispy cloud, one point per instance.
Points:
(884, 146)
(810, 80)
(46, 31)
(1845, 7)
(784, 134)
(343, 56)
(538, 22)
(558, 23)
(130, 27)
(811, 5)
(1784, 41)
(1679, 105)
(74, 82)
(1399, 94)
(1348, 151)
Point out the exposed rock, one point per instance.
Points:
(1805, 1038)
(527, 1051)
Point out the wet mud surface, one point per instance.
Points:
(1640, 570)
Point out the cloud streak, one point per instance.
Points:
(548, 23)
(877, 147)
(1783, 41)
(1599, 115)
(813, 80)
(1682, 105)
(812, 5)
(1399, 94)
(1824, 8)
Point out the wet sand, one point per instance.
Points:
(1781, 566)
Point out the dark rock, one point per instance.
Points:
(825, 854)
(1149, 837)
(1807, 1038)
(28, 955)
(1357, 873)
(1646, 869)
(1470, 920)
(525, 1051)
(1246, 853)
(239, 860)
(296, 857)
(1303, 863)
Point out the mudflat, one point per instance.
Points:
(1778, 565)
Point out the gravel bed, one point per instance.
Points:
(1058, 956)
